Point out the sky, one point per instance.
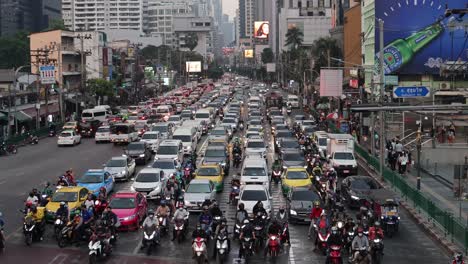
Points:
(229, 7)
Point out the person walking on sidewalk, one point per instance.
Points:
(403, 161)
(451, 134)
(398, 148)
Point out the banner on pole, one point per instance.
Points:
(331, 82)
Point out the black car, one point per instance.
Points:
(139, 151)
(358, 190)
(88, 128)
(217, 155)
(299, 204)
(284, 133)
(292, 158)
(287, 143)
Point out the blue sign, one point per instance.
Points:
(411, 91)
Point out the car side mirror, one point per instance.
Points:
(270, 197)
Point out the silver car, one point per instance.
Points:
(197, 192)
(121, 168)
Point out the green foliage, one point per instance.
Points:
(56, 24)
(294, 38)
(320, 49)
(191, 41)
(215, 72)
(101, 87)
(14, 50)
(267, 55)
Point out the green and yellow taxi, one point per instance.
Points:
(73, 196)
(295, 177)
(212, 172)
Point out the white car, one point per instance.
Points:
(251, 194)
(176, 120)
(102, 134)
(170, 149)
(152, 138)
(150, 182)
(256, 145)
(168, 166)
(121, 168)
(68, 137)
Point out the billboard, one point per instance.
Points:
(271, 67)
(193, 66)
(248, 53)
(331, 82)
(261, 29)
(419, 44)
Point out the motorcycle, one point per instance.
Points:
(349, 240)
(150, 237)
(273, 245)
(59, 224)
(222, 247)
(99, 249)
(215, 223)
(390, 225)
(32, 139)
(162, 224)
(187, 174)
(237, 229)
(247, 247)
(323, 236)
(199, 248)
(29, 230)
(237, 160)
(65, 236)
(362, 257)
(52, 133)
(180, 227)
(377, 250)
(2, 238)
(284, 234)
(99, 206)
(8, 149)
(259, 233)
(276, 175)
(334, 255)
(234, 195)
(288, 110)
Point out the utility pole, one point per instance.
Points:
(382, 93)
(42, 58)
(418, 148)
(82, 37)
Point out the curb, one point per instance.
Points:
(430, 228)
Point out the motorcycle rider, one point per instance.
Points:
(376, 231)
(87, 216)
(89, 203)
(458, 258)
(314, 215)
(349, 224)
(151, 224)
(317, 170)
(111, 219)
(199, 232)
(332, 178)
(282, 218)
(258, 208)
(206, 220)
(335, 238)
(222, 227)
(273, 230)
(38, 217)
(102, 232)
(63, 212)
(163, 211)
(360, 241)
(62, 181)
(102, 195)
(247, 231)
(322, 224)
(179, 215)
(32, 200)
(215, 210)
(235, 182)
(69, 175)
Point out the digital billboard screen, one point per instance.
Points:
(261, 29)
(193, 66)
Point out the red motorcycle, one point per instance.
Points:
(323, 236)
(187, 174)
(99, 206)
(334, 255)
(273, 245)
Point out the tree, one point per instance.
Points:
(267, 55)
(56, 24)
(101, 87)
(322, 49)
(191, 41)
(14, 50)
(294, 37)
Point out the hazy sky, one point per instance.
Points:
(229, 7)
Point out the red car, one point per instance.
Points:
(130, 208)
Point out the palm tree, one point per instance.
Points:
(322, 50)
(294, 37)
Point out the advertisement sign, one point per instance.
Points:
(331, 82)
(228, 51)
(193, 66)
(248, 53)
(420, 44)
(261, 29)
(353, 83)
(47, 74)
(299, 25)
(271, 67)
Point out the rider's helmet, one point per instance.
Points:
(150, 213)
(62, 204)
(246, 221)
(102, 189)
(163, 203)
(458, 256)
(198, 228)
(334, 230)
(377, 224)
(360, 231)
(317, 203)
(241, 206)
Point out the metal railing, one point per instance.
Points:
(41, 132)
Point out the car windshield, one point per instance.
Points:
(174, 118)
(208, 172)
(297, 175)
(198, 188)
(294, 156)
(289, 144)
(69, 124)
(254, 172)
(135, 146)
(363, 185)
(284, 134)
(116, 163)
(218, 132)
(168, 150)
(140, 126)
(322, 141)
(215, 153)
(150, 136)
(65, 197)
(253, 195)
(160, 129)
(255, 144)
(255, 122)
(91, 178)
(162, 110)
(65, 134)
(304, 196)
(147, 177)
(343, 156)
(202, 115)
(182, 138)
(229, 121)
(103, 129)
(122, 203)
(186, 114)
(164, 164)
(132, 117)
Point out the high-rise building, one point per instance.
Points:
(79, 15)
(27, 15)
(241, 18)
(228, 30)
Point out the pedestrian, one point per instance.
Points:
(23, 130)
(443, 132)
(403, 161)
(398, 148)
(410, 161)
(451, 134)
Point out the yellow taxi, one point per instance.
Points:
(295, 177)
(73, 196)
(212, 172)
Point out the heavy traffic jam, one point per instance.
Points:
(195, 154)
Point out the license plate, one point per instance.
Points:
(346, 171)
(307, 220)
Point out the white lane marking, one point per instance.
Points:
(291, 255)
(137, 248)
(59, 258)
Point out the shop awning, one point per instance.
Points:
(21, 116)
(3, 116)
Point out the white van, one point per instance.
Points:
(170, 149)
(123, 133)
(97, 113)
(255, 171)
(189, 138)
(204, 114)
(197, 124)
(293, 100)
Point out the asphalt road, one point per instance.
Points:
(34, 165)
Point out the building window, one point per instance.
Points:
(207, 24)
(291, 4)
(321, 3)
(299, 4)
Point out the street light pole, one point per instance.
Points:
(418, 147)
(382, 91)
